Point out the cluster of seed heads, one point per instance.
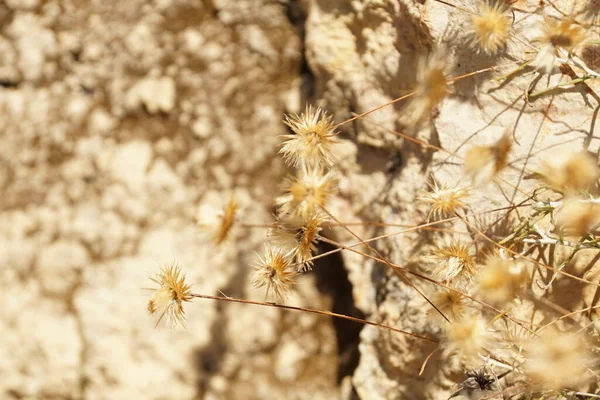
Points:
(483, 284)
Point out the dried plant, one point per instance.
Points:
(169, 295)
(444, 201)
(490, 27)
(484, 287)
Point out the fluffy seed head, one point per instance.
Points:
(557, 360)
(170, 294)
(571, 171)
(444, 201)
(274, 271)
(299, 236)
(578, 218)
(306, 194)
(450, 303)
(431, 88)
(312, 141)
(483, 163)
(500, 280)
(452, 261)
(466, 338)
(564, 33)
(490, 27)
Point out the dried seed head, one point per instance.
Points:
(432, 86)
(274, 271)
(500, 280)
(490, 27)
(444, 201)
(557, 360)
(578, 218)
(217, 224)
(450, 303)
(170, 294)
(483, 163)
(299, 236)
(466, 338)
(568, 170)
(312, 141)
(565, 34)
(452, 261)
(306, 194)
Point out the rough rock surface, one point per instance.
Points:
(119, 118)
(365, 54)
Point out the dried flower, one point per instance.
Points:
(170, 294)
(557, 360)
(570, 170)
(565, 34)
(312, 141)
(218, 224)
(431, 88)
(299, 236)
(306, 194)
(466, 338)
(482, 163)
(490, 27)
(444, 201)
(578, 218)
(274, 271)
(450, 303)
(453, 260)
(500, 280)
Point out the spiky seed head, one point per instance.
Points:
(452, 304)
(299, 236)
(432, 86)
(577, 217)
(444, 201)
(453, 260)
(217, 224)
(564, 33)
(275, 272)
(557, 360)
(490, 27)
(308, 193)
(483, 163)
(466, 338)
(570, 171)
(169, 295)
(500, 281)
(312, 141)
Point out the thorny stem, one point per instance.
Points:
(313, 311)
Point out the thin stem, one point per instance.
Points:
(404, 278)
(514, 253)
(396, 267)
(313, 311)
(451, 80)
(454, 6)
